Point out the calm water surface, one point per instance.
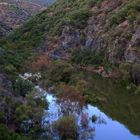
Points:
(105, 128)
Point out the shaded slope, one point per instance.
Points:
(108, 29)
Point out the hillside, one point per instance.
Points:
(109, 31)
(14, 13)
(66, 44)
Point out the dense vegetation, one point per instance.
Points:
(66, 127)
(20, 49)
(4, 135)
(20, 44)
(87, 57)
(129, 11)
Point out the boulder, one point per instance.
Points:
(89, 43)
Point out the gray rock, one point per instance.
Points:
(94, 44)
(130, 56)
(89, 43)
(70, 37)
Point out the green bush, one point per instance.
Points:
(128, 11)
(87, 57)
(66, 127)
(33, 110)
(78, 17)
(137, 91)
(6, 135)
(59, 72)
(20, 113)
(23, 87)
(125, 69)
(10, 69)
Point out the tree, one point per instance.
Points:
(66, 127)
(23, 87)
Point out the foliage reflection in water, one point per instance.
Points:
(103, 128)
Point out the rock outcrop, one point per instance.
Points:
(70, 37)
(118, 41)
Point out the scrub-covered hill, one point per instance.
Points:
(14, 13)
(108, 30)
(101, 36)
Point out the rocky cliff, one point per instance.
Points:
(109, 30)
(112, 28)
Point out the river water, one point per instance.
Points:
(104, 128)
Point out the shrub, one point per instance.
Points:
(20, 113)
(131, 88)
(78, 17)
(59, 72)
(137, 91)
(23, 87)
(42, 62)
(30, 114)
(125, 69)
(6, 135)
(128, 11)
(10, 69)
(87, 57)
(66, 127)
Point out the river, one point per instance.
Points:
(104, 128)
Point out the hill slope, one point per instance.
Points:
(102, 34)
(14, 13)
(110, 30)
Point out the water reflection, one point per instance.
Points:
(103, 128)
(86, 131)
(116, 101)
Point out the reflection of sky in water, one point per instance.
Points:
(112, 130)
(105, 127)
